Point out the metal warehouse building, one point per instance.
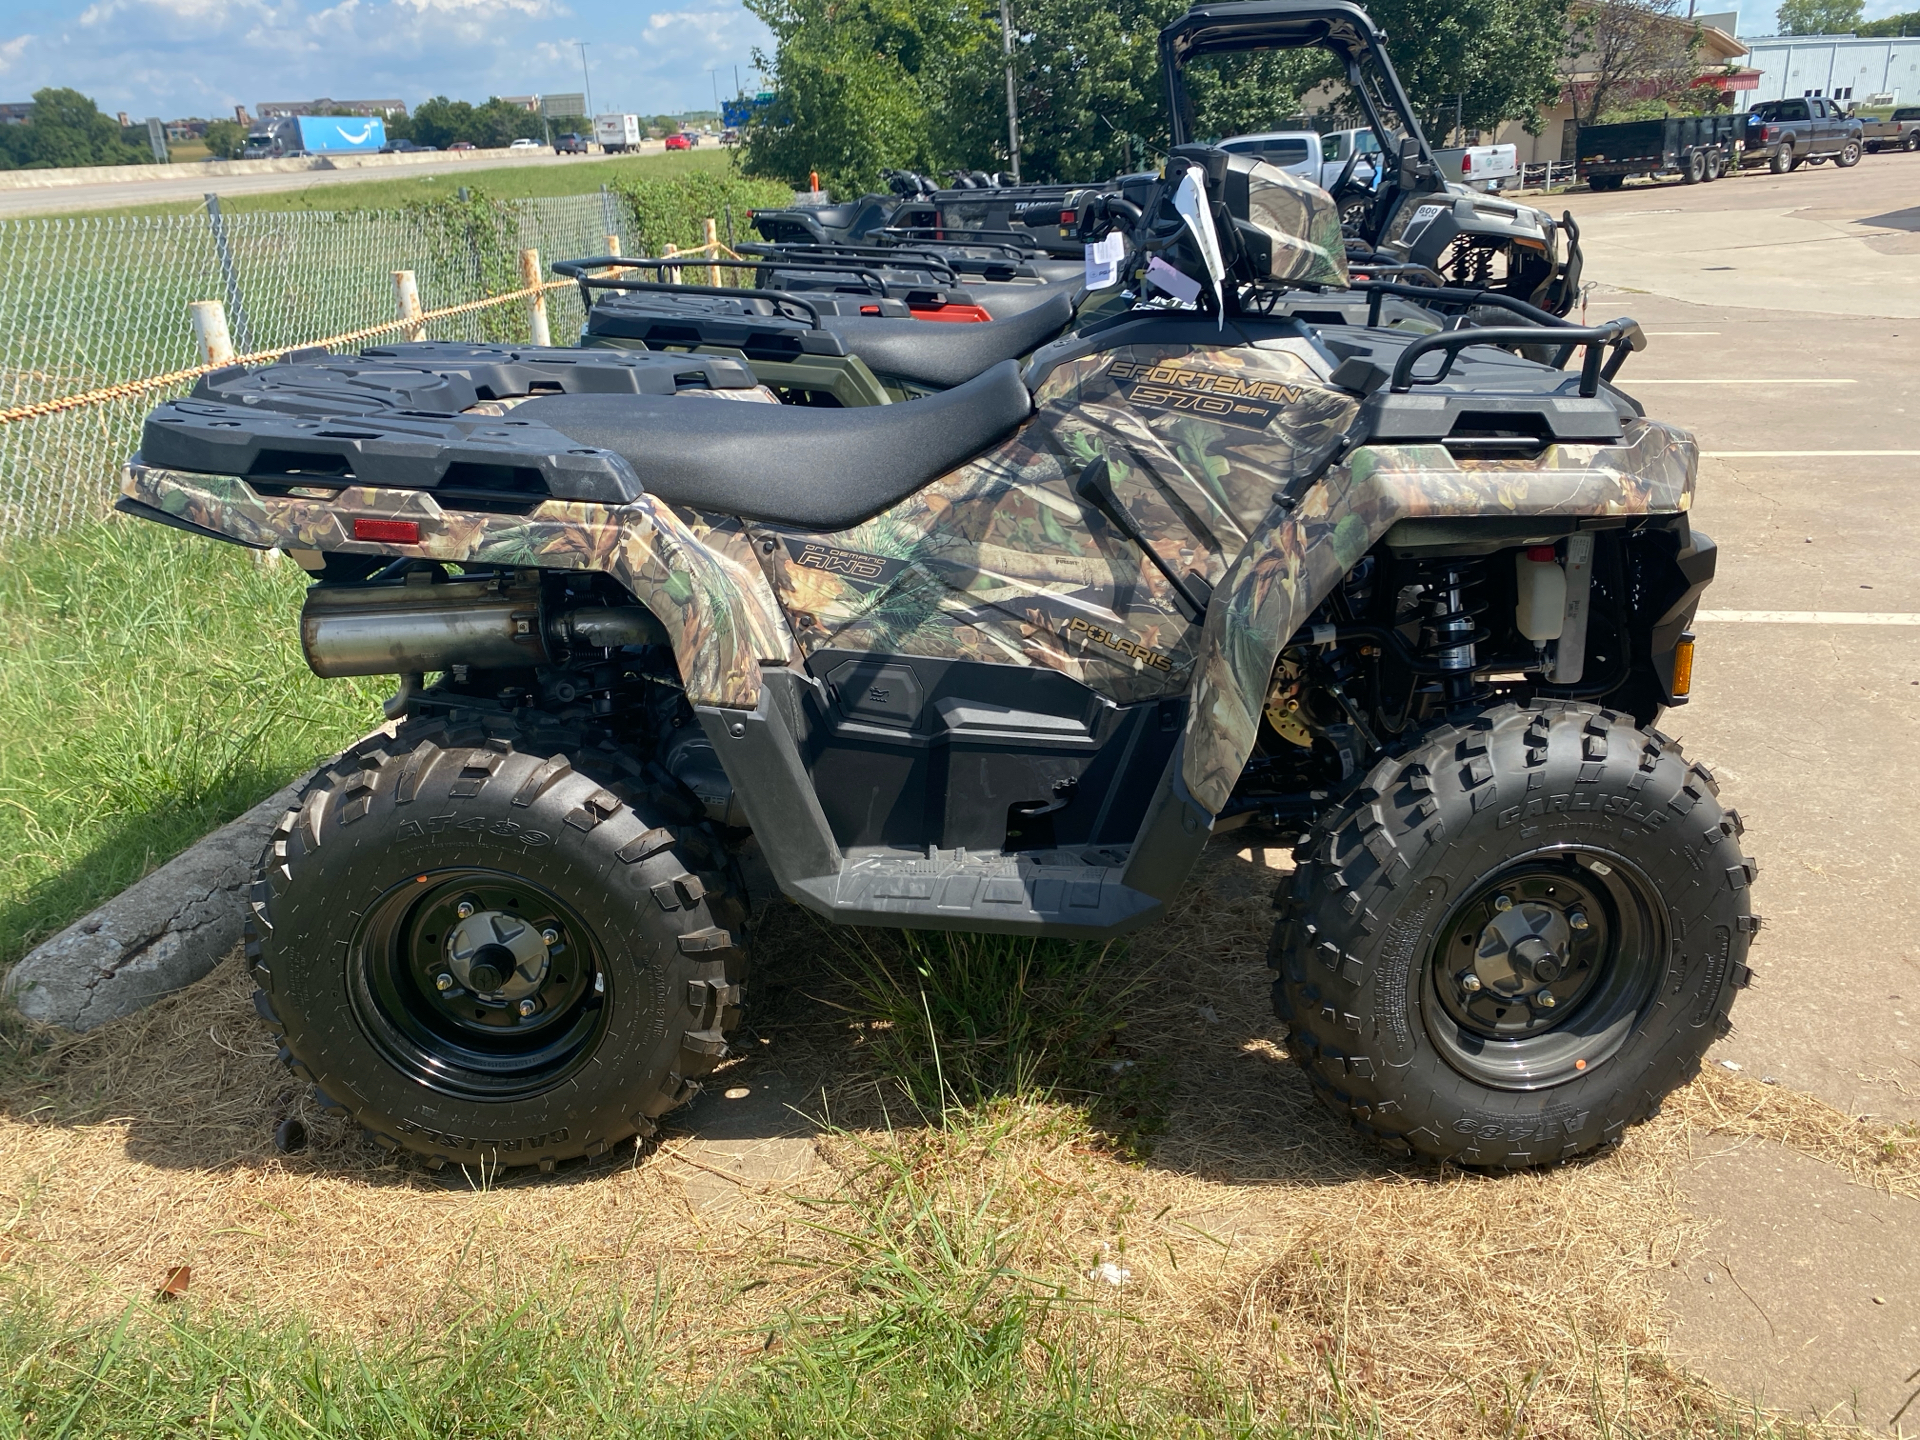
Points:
(1845, 68)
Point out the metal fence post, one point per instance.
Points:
(229, 275)
(210, 329)
(537, 327)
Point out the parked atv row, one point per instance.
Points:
(997, 643)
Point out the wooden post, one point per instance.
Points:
(406, 303)
(537, 328)
(612, 242)
(210, 329)
(712, 247)
(672, 274)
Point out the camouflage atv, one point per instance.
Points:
(1004, 658)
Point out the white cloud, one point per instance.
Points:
(10, 51)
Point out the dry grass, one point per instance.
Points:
(1266, 1247)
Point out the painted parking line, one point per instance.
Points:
(1633, 382)
(1808, 617)
(1667, 334)
(1801, 454)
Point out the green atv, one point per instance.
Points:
(1003, 658)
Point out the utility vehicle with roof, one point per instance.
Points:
(1002, 658)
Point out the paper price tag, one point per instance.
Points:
(1165, 277)
(1103, 261)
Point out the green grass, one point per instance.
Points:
(506, 182)
(151, 688)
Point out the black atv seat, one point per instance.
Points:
(818, 469)
(938, 354)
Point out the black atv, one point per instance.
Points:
(1003, 659)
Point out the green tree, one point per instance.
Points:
(1818, 17)
(440, 121)
(1891, 25)
(225, 139)
(865, 85)
(68, 129)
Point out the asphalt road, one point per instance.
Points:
(190, 184)
(1784, 319)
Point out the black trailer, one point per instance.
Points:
(1694, 147)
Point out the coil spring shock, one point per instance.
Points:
(1450, 629)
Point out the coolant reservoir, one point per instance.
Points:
(1541, 587)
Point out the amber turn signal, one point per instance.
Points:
(1683, 666)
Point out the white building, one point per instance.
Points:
(1851, 70)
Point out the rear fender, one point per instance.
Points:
(699, 580)
(1294, 562)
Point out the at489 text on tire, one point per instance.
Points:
(1514, 939)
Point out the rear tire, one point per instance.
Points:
(1606, 182)
(1912, 142)
(1628, 902)
(496, 946)
(1696, 170)
(1782, 161)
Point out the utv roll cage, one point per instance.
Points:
(1343, 30)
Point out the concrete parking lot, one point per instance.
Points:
(1784, 319)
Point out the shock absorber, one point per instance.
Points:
(1450, 631)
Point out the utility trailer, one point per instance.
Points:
(1697, 148)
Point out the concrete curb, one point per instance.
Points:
(156, 936)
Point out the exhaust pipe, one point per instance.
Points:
(491, 624)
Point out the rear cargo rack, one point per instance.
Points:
(1607, 347)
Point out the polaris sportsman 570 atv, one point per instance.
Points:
(1000, 658)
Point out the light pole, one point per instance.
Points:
(1013, 116)
(586, 77)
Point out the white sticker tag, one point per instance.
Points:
(1181, 287)
(1103, 260)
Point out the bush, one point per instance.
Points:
(671, 212)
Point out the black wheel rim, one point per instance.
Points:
(479, 984)
(1538, 976)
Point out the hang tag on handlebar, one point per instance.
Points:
(1103, 261)
(1182, 287)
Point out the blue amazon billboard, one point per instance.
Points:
(332, 134)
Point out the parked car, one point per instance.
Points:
(1338, 146)
(729, 137)
(1295, 151)
(570, 144)
(1900, 132)
(461, 145)
(1694, 147)
(679, 142)
(524, 144)
(1786, 134)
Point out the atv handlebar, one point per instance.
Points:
(1621, 336)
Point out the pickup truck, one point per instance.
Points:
(1694, 147)
(1786, 134)
(1900, 132)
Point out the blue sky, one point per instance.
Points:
(202, 57)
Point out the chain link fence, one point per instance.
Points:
(94, 302)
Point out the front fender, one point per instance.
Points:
(1293, 563)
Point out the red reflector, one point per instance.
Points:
(1066, 217)
(391, 532)
(1540, 552)
(963, 314)
(869, 309)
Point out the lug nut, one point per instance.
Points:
(1470, 982)
(443, 981)
(1501, 902)
(1578, 920)
(528, 1006)
(463, 909)
(550, 937)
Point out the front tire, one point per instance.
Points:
(1849, 155)
(1515, 939)
(505, 948)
